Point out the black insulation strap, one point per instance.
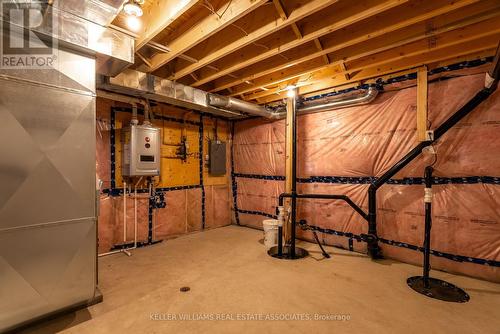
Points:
(233, 180)
(119, 191)
(363, 238)
(258, 213)
(131, 244)
(112, 135)
(370, 179)
(260, 177)
(410, 76)
(349, 235)
(452, 257)
(150, 219)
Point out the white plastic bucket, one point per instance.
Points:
(270, 232)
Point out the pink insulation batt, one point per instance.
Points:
(366, 141)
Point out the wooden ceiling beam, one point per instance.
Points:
(159, 16)
(344, 69)
(359, 16)
(204, 29)
(285, 75)
(444, 56)
(319, 46)
(422, 103)
(188, 58)
(280, 9)
(375, 40)
(296, 31)
(158, 47)
(457, 37)
(275, 25)
(284, 16)
(442, 37)
(144, 59)
(484, 33)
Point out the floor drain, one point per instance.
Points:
(185, 289)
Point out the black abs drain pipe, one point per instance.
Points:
(428, 286)
(371, 238)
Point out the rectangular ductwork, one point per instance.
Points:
(101, 12)
(147, 86)
(48, 207)
(81, 26)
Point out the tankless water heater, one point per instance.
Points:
(141, 151)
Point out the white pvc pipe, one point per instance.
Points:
(135, 216)
(124, 212)
(126, 251)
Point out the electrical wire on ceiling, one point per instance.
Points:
(208, 5)
(211, 8)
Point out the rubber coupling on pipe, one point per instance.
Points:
(427, 195)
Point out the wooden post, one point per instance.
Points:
(288, 163)
(421, 103)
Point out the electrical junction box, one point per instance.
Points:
(141, 150)
(217, 156)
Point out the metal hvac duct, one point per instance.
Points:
(48, 255)
(147, 86)
(101, 12)
(324, 105)
(81, 26)
(233, 104)
(230, 103)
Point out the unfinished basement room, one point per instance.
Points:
(250, 166)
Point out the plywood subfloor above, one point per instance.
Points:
(254, 49)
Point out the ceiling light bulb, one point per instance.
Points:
(134, 23)
(132, 8)
(290, 91)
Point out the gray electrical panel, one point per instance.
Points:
(217, 154)
(141, 150)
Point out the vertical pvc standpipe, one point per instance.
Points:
(428, 225)
(281, 221)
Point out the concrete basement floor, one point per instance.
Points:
(229, 273)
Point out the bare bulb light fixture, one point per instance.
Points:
(133, 8)
(291, 91)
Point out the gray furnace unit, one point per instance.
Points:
(48, 206)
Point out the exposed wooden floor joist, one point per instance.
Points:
(363, 34)
(253, 49)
